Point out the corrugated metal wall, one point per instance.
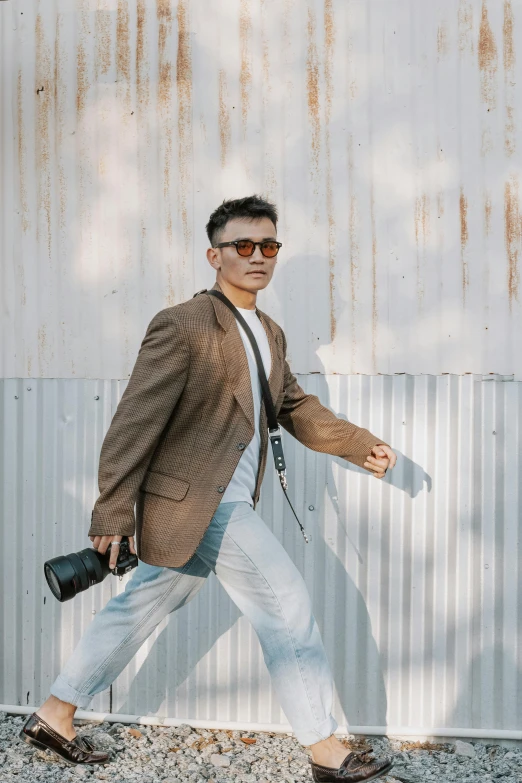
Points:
(415, 581)
(388, 134)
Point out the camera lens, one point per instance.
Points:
(53, 582)
(69, 575)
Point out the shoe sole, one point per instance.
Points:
(41, 746)
(377, 774)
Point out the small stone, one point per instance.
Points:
(135, 733)
(116, 728)
(219, 760)
(82, 772)
(464, 749)
(183, 730)
(3, 716)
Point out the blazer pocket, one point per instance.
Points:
(166, 486)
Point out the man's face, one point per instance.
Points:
(252, 273)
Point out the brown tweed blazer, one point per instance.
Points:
(182, 424)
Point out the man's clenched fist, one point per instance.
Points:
(381, 458)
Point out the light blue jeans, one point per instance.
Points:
(263, 582)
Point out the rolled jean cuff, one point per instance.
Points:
(63, 691)
(321, 732)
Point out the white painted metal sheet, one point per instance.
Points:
(388, 133)
(415, 581)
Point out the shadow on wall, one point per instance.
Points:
(361, 687)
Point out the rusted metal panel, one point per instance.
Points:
(388, 133)
(414, 580)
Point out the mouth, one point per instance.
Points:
(256, 272)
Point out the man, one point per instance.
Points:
(188, 445)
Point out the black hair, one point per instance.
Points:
(250, 207)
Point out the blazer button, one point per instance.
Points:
(241, 446)
(221, 489)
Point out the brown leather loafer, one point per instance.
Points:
(355, 768)
(77, 751)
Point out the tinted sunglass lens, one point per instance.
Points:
(269, 249)
(245, 248)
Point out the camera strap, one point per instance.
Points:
(274, 431)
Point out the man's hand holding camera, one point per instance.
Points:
(101, 543)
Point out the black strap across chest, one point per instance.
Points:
(274, 432)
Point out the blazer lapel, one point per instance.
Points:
(275, 379)
(234, 355)
(236, 361)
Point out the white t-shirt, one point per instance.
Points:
(243, 482)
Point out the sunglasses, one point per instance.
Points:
(245, 247)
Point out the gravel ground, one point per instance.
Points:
(149, 754)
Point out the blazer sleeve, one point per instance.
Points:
(154, 387)
(316, 427)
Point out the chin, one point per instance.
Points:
(256, 284)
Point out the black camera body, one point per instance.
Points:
(68, 575)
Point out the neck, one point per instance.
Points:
(238, 296)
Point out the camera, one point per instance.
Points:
(68, 575)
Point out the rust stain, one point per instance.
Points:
(44, 107)
(142, 81)
(422, 218)
(465, 27)
(487, 59)
(122, 40)
(60, 69)
(507, 30)
(22, 158)
(266, 50)
(164, 17)
(82, 80)
(82, 84)
(123, 54)
(184, 94)
(463, 208)
(510, 131)
(329, 42)
(509, 79)
(513, 236)
(312, 88)
(288, 41)
(224, 117)
(442, 40)
(487, 214)
(103, 41)
(422, 230)
(245, 75)
(487, 142)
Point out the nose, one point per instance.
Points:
(257, 254)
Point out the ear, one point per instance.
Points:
(213, 258)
